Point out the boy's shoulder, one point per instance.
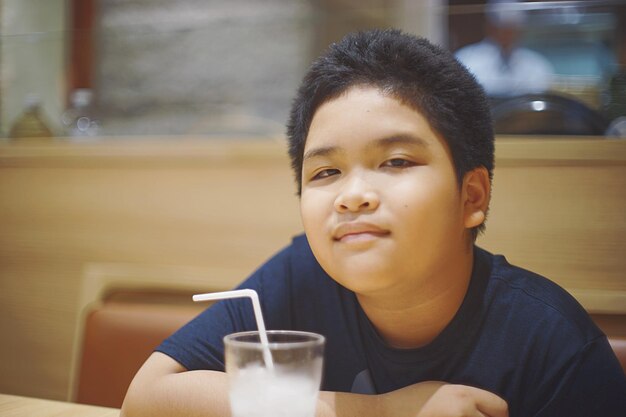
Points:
(541, 344)
(534, 295)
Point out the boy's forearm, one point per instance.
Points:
(341, 404)
(205, 393)
(189, 394)
(405, 402)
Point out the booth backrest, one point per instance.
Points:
(118, 337)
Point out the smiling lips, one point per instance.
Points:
(357, 231)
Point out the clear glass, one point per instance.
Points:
(289, 388)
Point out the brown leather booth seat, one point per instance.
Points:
(118, 337)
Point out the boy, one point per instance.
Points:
(392, 147)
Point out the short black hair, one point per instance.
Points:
(415, 72)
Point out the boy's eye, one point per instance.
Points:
(325, 173)
(398, 163)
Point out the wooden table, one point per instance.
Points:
(16, 406)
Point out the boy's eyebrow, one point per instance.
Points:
(321, 151)
(401, 139)
(382, 142)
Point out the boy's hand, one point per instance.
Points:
(464, 401)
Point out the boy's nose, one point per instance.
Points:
(357, 195)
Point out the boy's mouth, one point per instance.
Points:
(357, 231)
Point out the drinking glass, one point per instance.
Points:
(280, 379)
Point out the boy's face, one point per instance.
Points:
(380, 202)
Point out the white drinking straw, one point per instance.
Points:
(256, 306)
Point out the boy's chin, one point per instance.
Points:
(361, 278)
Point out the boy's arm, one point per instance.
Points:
(424, 399)
(163, 387)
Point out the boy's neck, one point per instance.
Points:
(411, 323)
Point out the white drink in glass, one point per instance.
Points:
(289, 388)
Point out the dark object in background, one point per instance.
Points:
(546, 114)
(615, 106)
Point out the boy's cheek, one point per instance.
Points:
(314, 208)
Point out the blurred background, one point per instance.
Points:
(215, 67)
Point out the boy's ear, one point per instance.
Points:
(476, 196)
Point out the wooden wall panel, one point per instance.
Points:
(208, 204)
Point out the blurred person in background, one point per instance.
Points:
(499, 63)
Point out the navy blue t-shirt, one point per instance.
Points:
(516, 334)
